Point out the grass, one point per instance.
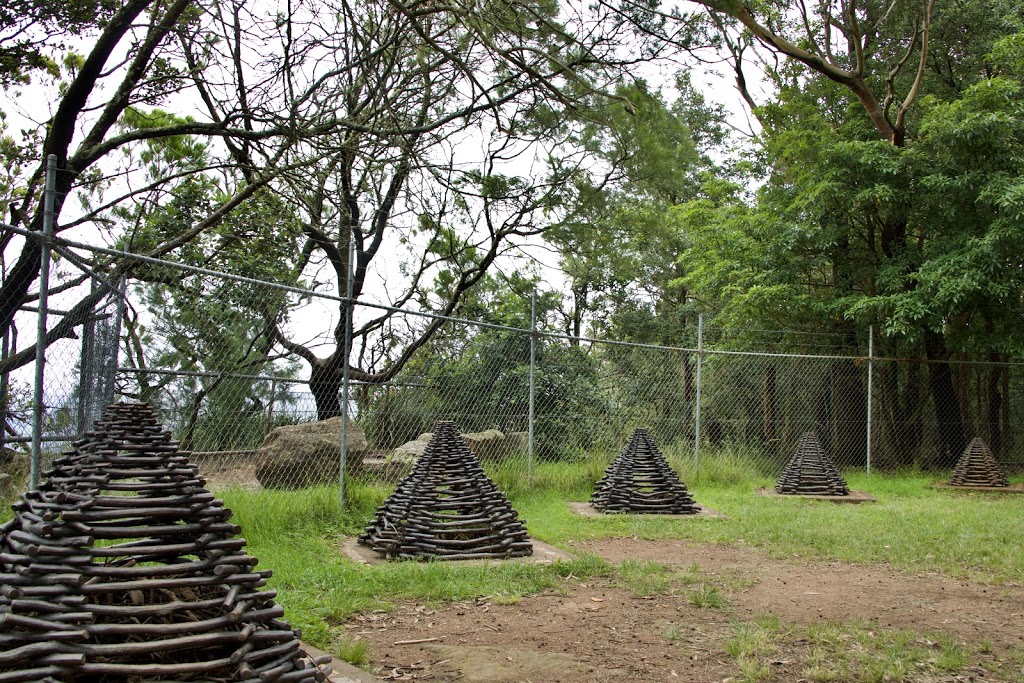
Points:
(851, 653)
(706, 596)
(911, 527)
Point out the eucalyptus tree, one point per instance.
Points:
(459, 147)
(359, 115)
(136, 56)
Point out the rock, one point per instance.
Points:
(14, 468)
(516, 443)
(407, 453)
(303, 455)
(487, 445)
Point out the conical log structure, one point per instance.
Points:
(123, 567)
(447, 508)
(640, 480)
(978, 467)
(810, 472)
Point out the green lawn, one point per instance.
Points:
(911, 527)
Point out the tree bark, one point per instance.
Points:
(770, 435)
(325, 383)
(947, 404)
(995, 404)
(849, 427)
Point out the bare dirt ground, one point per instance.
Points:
(598, 631)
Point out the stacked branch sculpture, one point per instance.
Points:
(123, 567)
(810, 472)
(978, 467)
(640, 480)
(447, 508)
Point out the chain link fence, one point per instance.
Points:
(249, 377)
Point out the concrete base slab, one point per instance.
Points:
(854, 497)
(543, 553)
(1012, 488)
(342, 672)
(588, 510)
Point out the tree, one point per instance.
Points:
(358, 114)
(481, 376)
(848, 194)
(621, 250)
(462, 151)
(97, 94)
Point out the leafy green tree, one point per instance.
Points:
(849, 229)
(622, 250)
(481, 377)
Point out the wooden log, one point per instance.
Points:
(35, 674)
(177, 582)
(201, 640)
(134, 670)
(31, 651)
(12, 640)
(12, 619)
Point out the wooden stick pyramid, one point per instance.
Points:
(123, 567)
(978, 467)
(640, 480)
(811, 472)
(447, 508)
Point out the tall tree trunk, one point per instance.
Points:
(962, 374)
(849, 436)
(325, 382)
(770, 433)
(1007, 434)
(188, 439)
(947, 404)
(995, 404)
(689, 381)
(824, 413)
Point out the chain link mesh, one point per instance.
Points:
(200, 348)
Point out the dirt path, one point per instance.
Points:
(803, 591)
(599, 632)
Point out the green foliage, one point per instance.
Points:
(33, 30)
(481, 377)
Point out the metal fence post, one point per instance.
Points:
(696, 408)
(5, 387)
(44, 291)
(533, 371)
(270, 409)
(349, 284)
(86, 370)
(871, 358)
(110, 371)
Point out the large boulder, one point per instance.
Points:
(408, 452)
(303, 455)
(489, 444)
(14, 468)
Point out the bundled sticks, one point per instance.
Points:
(122, 566)
(640, 480)
(447, 508)
(978, 467)
(811, 472)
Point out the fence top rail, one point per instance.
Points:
(242, 375)
(117, 253)
(141, 258)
